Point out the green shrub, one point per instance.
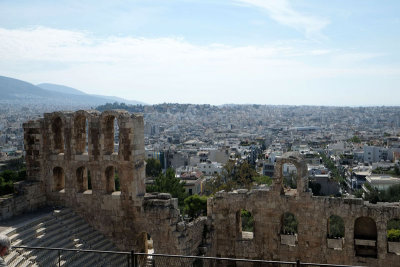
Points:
(393, 235)
(195, 205)
(289, 225)
(247, 221)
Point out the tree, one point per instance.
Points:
(235, 175)
(153, 167)
(336, 227)
(289, 225)
(195, 205)
(355, 139)
(247, 221)
(168, 183)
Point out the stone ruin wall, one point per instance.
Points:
(126, 215)
(57, 159)
(312, 213)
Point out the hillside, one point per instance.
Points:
(14, 91)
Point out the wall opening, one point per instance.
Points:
(245, 224)
(289, 227)
(82, 179)
(289, 174)
(335, 227)
(89, 177)
(289, 224)
(146, 246)
(58, 179)
(81, 134)
(58, 138)
(111, 135)
(393, 236)
(112, 180)
(365, 237)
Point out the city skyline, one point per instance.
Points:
(241, 52)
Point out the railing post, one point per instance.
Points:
(59, 258)
(133, 263)
(297, 263)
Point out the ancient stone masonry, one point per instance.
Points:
(364, 241)
(72, 161)
(73, 157)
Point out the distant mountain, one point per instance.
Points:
(60, 88)
(20, 92)
(73, 91)
(16, 89)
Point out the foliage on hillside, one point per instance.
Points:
(116, 105)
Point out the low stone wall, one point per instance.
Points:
(312, 214)
(29, 197)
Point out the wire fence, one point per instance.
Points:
(44, 256)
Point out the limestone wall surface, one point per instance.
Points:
(310, 244)
(74, 156)
(29, 197)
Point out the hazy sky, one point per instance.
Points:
(302, 52)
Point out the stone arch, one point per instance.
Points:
(82, 179)
(336, 227)
(58, 179)
(111, 179)
(57, 127)
(365, 237)
(80, 133)
(301, 173)
(110, 128)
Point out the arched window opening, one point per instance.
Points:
(335, 232)
(81, 134)
(289, 174)
(82, 179)
(289, 227)
(365, 237)
(58, 179)
(111, 135)
(57, 129)
(112, 180)
(245, 224)
(393, 236)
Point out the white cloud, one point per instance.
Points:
(282, 12)
(172, 69)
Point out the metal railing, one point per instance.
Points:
(45, 256)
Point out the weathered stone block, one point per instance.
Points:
(335, 243)
(394, 247)
(290, 240)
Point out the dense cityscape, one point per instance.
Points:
(197, 141)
